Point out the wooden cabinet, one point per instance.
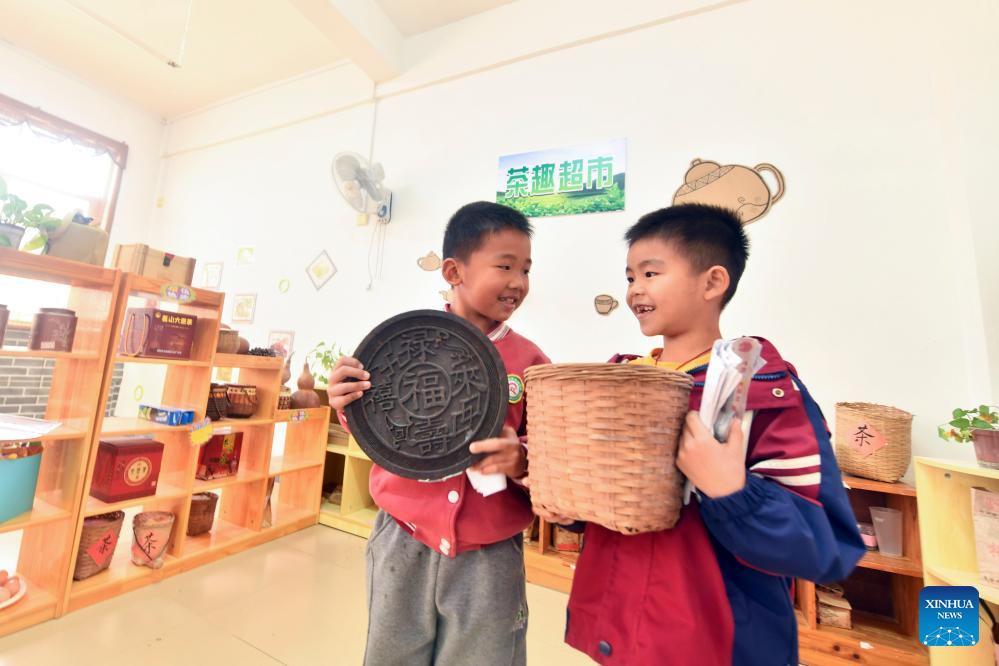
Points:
(948, 538)
(884, 593)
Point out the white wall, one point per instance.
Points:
(974, 137)
(861, 275)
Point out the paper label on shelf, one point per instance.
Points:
(201, 432)
(23, 428)
(102, 550)
(865, 439)
(178, 293)
(299, 415)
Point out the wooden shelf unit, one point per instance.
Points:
(887, 634)
(948, 537)
(544, 564)
(48, 533)
(349, 467)
(240, 517)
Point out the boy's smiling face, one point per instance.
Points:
(665, 292)
(493, 282)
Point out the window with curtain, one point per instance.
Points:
(48, 160)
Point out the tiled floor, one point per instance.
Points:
(297, 601)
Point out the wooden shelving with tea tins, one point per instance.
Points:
(950, 555)
(281, 448)
(183, 381)
(39, 545)
(883, 592)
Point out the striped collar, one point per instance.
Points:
(494, 335)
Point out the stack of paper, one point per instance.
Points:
(733, 364)
(24, 429)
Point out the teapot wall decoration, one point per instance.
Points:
(733, 186)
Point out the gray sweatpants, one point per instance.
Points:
(425, 608)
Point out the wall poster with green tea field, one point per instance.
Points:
(564, 181)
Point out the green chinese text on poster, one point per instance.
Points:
(564, 181)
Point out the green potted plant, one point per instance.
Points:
(322, 359)
(979, 425)
(16, 217)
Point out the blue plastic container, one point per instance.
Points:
(18, 479)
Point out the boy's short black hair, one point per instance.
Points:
(707, 235)
(473, 222)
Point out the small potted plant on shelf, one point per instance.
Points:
(321, 361)
(16, 218)
(979, 425)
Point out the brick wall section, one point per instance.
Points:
(25, 382)
(116, 375)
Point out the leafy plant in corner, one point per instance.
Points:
(322, 360)
(966, 420)
(14, 211)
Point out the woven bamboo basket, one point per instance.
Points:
(202, 515)
(861, 423)
(603, 442)
(242, 400)
(94, 529)
(228, 341)
(284, 398)
(218, 402)
(152, 532)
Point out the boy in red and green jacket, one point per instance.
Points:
(717, 588)
(445, 564)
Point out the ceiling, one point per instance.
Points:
(412, 17)
(123, 46)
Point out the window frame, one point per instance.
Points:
(14, 112)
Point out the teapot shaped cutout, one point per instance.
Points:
(736, 187)
(431, 262)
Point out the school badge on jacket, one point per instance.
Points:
(516, 388)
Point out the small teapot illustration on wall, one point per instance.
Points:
(738, 188)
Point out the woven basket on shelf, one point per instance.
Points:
(218, 402)
(603, 443)
(242, 400)
(96, 529)
(861, 429)
(284, 398)
(152, 532)
(228, 341)
(202, 515)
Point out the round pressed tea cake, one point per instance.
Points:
(437, 385)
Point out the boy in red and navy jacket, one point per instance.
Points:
(717, 588)
(445, 563)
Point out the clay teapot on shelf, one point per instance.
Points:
(736, 187)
